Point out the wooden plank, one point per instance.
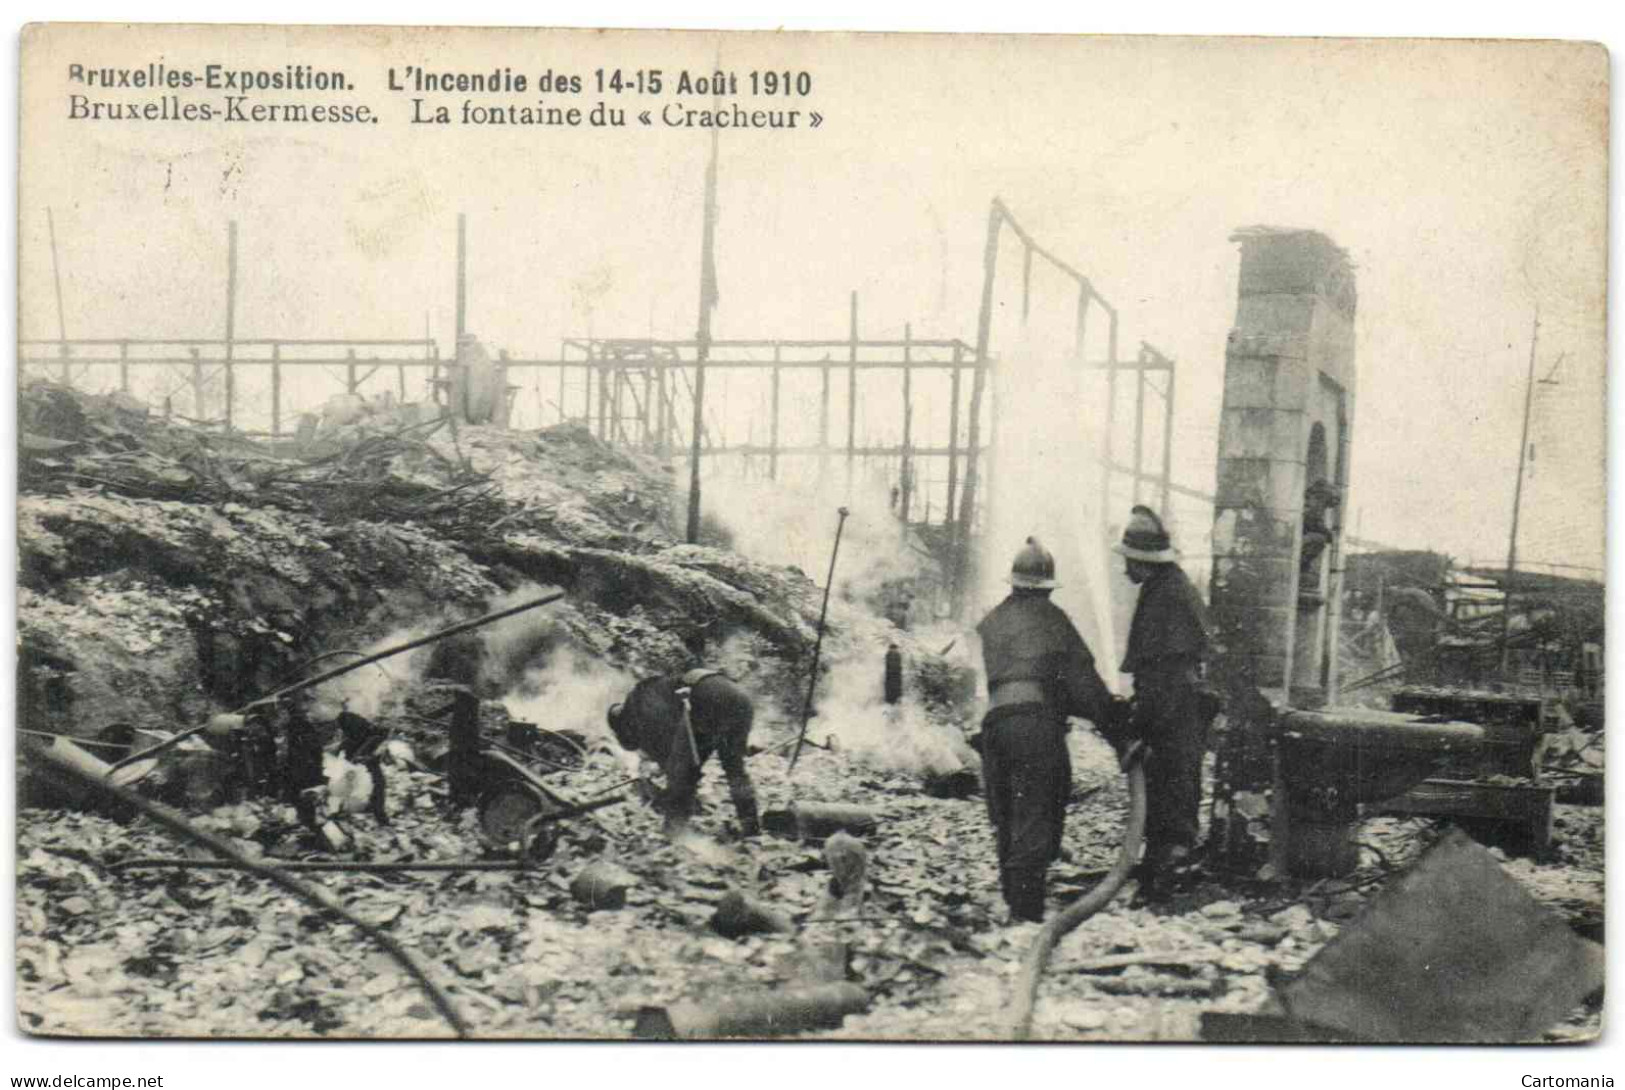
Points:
(1527, 807)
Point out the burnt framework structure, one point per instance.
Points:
(638, 391)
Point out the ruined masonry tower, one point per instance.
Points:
(1283, 467)
(1282, 473)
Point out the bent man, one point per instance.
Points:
(1039, 671)
(1166, 642)
(677, 724)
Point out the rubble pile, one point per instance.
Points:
(166, 571)
(161, 952)
(168, 574)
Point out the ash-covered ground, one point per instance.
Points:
(166, 575)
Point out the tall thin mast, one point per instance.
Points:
(1517, 503)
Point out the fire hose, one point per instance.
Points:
(315, 895)
(1090, 903)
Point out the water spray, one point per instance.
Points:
(818, 643)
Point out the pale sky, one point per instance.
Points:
(1466, 181)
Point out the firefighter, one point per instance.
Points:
(1039, 671)
(1166, 642)
(677, 723)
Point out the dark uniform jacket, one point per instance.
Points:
(1028, 638)
(1166, 642)
(1169, 630)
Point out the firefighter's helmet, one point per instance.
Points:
(1034, 567)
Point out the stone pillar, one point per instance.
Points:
(1289, 367)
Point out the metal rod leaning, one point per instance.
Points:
(818, 644)
(329, 675)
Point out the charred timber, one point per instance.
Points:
(765, 1014)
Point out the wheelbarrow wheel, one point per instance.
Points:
(508, 820)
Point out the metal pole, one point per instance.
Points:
(231, 316)
(1517, 504)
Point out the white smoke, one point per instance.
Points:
(507, 649)
(569, 691)
(792, 522)
(365, 691)
(899, 738)
(511, 647)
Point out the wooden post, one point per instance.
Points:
(349, 371)
(907, 470)
(603, 402)
(1139, 421)
(1026, 282)
(1167, 439)
(563, 370)
(231, 317)
(953, 438)
(773, 440)
(702, 351)
(1111, 414)
(984, 327)
(852, 392)
(462, 277)
(197, 385)
(823, 422)
(463, 763)
(645, 425)
(617, 406)
(1081, 324)
(660, 410)
(61, 322)
(276, 390)
(124, 366)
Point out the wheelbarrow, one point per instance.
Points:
(518, 813)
